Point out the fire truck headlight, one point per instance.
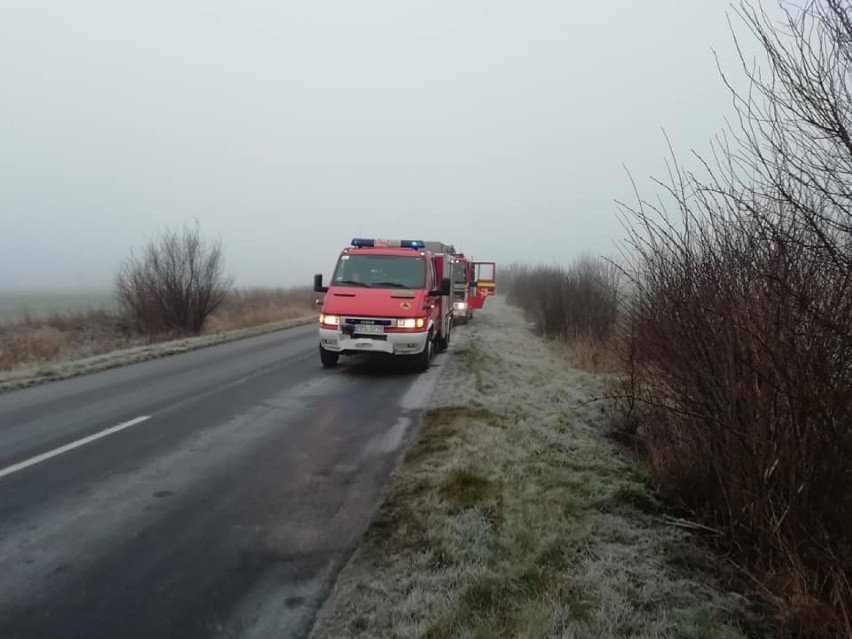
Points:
(461, 306)
(330, 320)
(411, 322)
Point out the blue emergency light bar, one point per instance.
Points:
(371, 243)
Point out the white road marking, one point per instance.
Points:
(32, 461)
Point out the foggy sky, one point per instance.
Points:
(288, 127)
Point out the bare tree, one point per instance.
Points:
(176, 284)
(739, 331)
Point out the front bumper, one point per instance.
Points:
(387, 343)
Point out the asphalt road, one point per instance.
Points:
(214, 493)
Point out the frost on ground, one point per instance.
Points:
(511, 516)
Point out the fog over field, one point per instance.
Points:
(288, 128)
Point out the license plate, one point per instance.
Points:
(370, 329)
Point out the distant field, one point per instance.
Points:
(17, 306)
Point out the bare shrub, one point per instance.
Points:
(175, 285)
(738, 336)
(580, 302)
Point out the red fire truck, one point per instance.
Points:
(459, 273)
(390, 297)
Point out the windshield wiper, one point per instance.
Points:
(391, 284)
(352, 283)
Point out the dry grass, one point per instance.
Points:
(38, 344)
(245, 308)
(591, 355)
(62, 337)
(512, 517)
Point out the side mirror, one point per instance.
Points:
(446, 288)
(318, 287)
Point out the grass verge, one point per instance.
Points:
(511, 516)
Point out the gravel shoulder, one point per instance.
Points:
(511, 515)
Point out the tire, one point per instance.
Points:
(423, 359)
(328, 358)
(442, 344)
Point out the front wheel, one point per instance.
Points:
(328, 358)
(424, 358)
(443, 343)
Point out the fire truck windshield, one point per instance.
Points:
(380, 271)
